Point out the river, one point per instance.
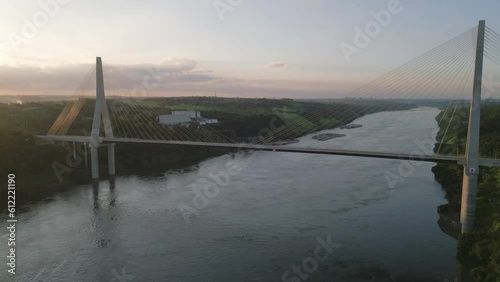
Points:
(261, 216)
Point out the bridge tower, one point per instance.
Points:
(101, 112)
(471, 167)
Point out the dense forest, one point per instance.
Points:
(481, 249)
(43, 168)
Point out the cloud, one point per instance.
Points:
(169, 77)
(278, 65)
(35, 80)
(163, 68)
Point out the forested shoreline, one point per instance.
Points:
(480, 249)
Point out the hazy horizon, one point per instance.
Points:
(277, 49)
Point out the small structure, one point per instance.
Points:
(204, 121)
(190, 114)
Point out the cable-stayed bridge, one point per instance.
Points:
(452, 68)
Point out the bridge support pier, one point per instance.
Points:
(468, 208)
(94, 159)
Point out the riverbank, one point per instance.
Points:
(480, 249)
(449, 221)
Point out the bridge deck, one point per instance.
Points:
(339, 152)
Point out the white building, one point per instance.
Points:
(191, 114)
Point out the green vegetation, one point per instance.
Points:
(288, 119)
(35, 161)
(481, 249)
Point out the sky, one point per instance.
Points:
(238, 48)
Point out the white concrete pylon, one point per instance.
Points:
(101, 112)
(471, 167)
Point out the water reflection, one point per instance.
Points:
(112, 195)
(105, 220)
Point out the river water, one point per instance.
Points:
(262, 216)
